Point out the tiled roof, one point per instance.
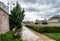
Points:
(55, 17)
(4, 7)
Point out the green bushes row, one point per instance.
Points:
(44, 29)
(9, 36)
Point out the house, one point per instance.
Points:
(4, 18)
(38, 21)
(41, 21)
(55, 20)
(27, 22)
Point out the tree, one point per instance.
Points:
(44, 21)
(36, 22)
(16, 16)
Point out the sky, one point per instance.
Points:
(38, 9)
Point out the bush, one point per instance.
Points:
(36, 23)
(43, 29)
(44, 22)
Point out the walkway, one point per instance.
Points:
(30, 35)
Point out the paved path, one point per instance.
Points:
(30, 35)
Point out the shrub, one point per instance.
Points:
(45, 23)
(43, 29)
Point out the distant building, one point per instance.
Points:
(38, 22)
(55, 20)
(4, 18)
(41, 21)
(27, 22)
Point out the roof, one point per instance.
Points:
(4, 8)
(55, 17)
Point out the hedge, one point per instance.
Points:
(44, 29)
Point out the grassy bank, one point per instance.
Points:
(9, 37)
(50, 31)
(55, 36)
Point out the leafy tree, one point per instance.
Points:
(44, 22)
(16, 16)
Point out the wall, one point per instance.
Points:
(4, 22)
(54, 23)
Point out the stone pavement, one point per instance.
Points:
(30, 35)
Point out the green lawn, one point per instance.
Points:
(9, 37)
(50, 31)
(55, 36)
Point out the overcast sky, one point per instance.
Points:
(39, 9)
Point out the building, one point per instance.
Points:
(4, 18)
(38, 22)
(41, 22)
(27, 22)
(55, 20)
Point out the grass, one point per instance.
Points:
(50, 31)
(55, 36)
(9, 37)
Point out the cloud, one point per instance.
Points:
(40, 9)
(32, 9)
(43, 8)
(31, 16)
